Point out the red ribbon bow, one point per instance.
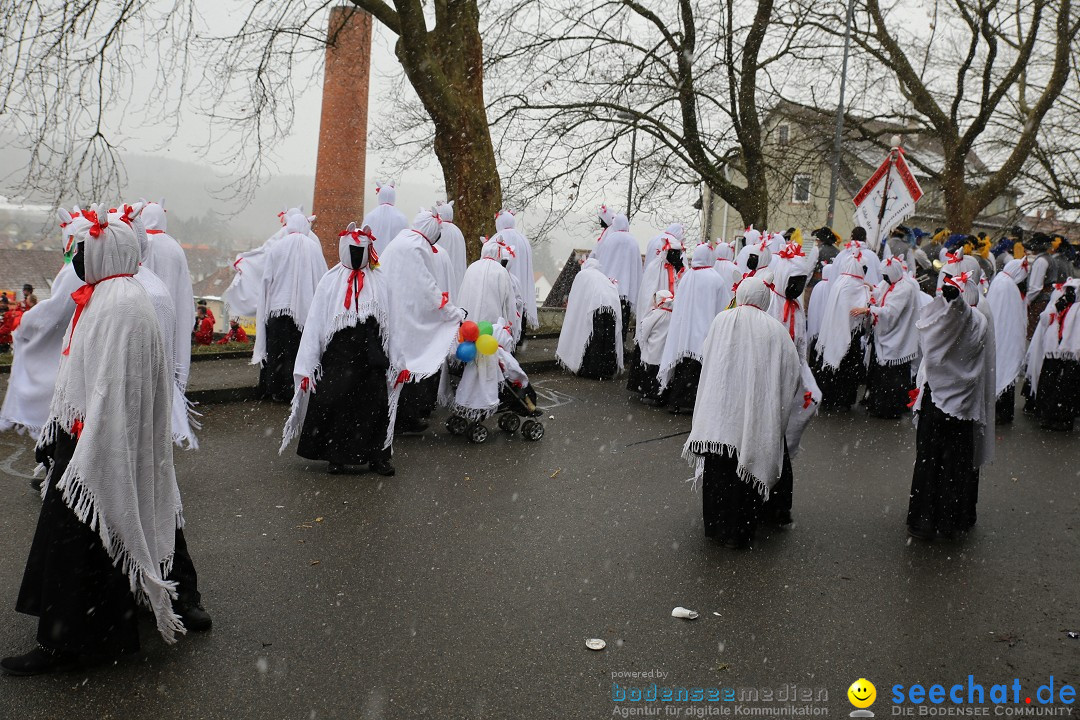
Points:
(913, 396)
(96, 226)
(356, 280)
(952, 257)
(402, 377)
(81, 298)
(305, 383)
(807, 399)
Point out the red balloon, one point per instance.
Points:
(469, 331)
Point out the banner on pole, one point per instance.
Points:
(887, 199)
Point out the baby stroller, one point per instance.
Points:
(514, 404)
(495, 386)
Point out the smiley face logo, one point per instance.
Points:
(862, 693)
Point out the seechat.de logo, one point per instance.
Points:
(862, 695)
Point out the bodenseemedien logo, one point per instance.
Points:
(862, 695)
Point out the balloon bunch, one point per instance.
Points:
(474, 338)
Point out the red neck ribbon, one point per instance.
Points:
(356, 280)
(81, 297)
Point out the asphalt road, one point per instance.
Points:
(466, 586)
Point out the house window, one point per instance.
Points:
(800, 189)
(783, 132)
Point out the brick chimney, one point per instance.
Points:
(339, 170)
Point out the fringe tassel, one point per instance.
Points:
(693, 450)
(149, 590)
(899, 361)
(603, 310)
(474, 414)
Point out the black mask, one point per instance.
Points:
(950, 292)
(795, 287)
(674, 258)
(1022, 287)
(603, 224)
(1068, 297)
(751, 262)
(865, 269)
(78, 262)
(356, 256)
(504, 262)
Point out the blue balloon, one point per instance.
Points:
(466, 351)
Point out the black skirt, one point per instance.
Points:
(636, 376)
(1057, 402)
(887, 389)
(417, 401)
(840, 386)
(732, 507)
(276, 375)
(348, 414)
(82, 601)
(600, 361)
(1005, 408)
(945, 482)
(682, 390)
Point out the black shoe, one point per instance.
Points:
(918, 534)
(335, 469)
(39, 661)
(382, 467)
(36, 483)
(195, 618)
(782, 517)
(736, 543)
(414, 428)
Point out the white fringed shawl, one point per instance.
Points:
(116, 381)
(294, 265)
(847, 290)
(957, 345)
(619, 257)
(327, 316)
(1010, 323)
(700, 297)
(896, 339)
(592, 291)
(421, 323)
(1046, 342)
(750, 383)
(652, 337)
(37, 343)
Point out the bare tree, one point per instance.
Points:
(692, 80)
(978, 78)
(67, 65)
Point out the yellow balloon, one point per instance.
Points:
(487, 344)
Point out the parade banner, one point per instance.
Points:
(887, 199)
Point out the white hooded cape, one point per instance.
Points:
(658, 275)
(846, 291)
(652, 337)
(422, 319)
(117, 382)
(1010, 323)
(294, 265)
(521, 264)
(330, 313)
(592, 291)
(36, 346)
(166, 259)
(452, 242)
(620, 259)
(487, 292)
(957, 345)
(750, 383)
(1054, 338)
(700, 298)
(894, 312)
(385, 220)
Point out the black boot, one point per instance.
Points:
(195, 618)
(39, 661)
(383, 467)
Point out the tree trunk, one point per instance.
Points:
(446, 70)
(960, 211)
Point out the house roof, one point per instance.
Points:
(37, 267)
(866, 140)
(214, 284)
(560, 289)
